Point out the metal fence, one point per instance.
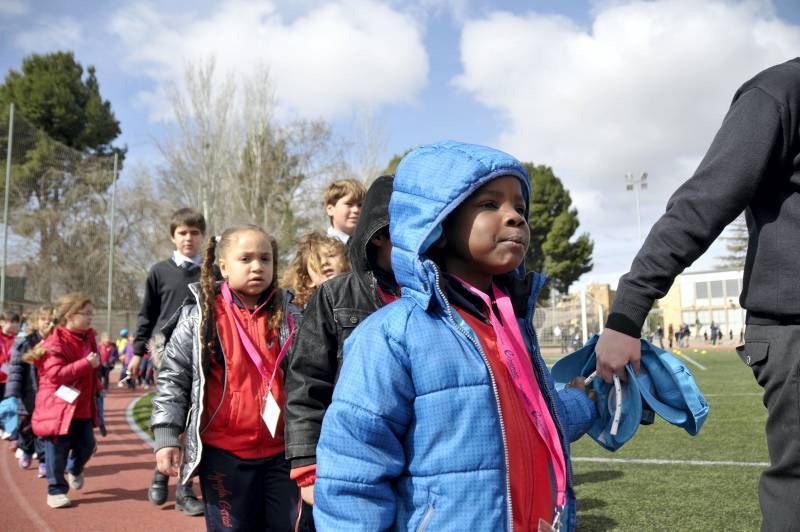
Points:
(58, 224)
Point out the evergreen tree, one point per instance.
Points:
(58, 200)
(553, 222)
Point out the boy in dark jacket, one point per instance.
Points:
(331, 314)
(166, 289)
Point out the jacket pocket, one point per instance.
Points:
(753, 353)
(348, 318)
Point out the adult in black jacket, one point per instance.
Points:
(331, 314)
(753, 165)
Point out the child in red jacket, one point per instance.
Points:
(66, 410)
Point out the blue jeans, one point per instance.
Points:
(79, 440)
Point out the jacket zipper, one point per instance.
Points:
(426, 519)
(477, 345)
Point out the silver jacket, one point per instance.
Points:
(178, 405)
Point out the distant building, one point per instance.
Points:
(699, 298)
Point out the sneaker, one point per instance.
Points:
(58, 501)
(24, 461)
(75, 481)
(42, 472)
(18, 453)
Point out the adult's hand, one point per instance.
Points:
(615, 349)
(133, 366)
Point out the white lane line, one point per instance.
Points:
(693, 361)
(658, 461)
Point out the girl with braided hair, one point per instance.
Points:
(221, 384)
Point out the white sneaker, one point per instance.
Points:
(18, 453)
(58, 501)
(75, 481)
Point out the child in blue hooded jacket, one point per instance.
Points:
(444, 415)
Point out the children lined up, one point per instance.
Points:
(438, 409)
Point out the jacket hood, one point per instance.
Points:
(431, 181)
(374, 217)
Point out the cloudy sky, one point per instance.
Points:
(595, 89)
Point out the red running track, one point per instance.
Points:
(114, 495)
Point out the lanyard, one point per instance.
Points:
(251, 349)
(516, 360)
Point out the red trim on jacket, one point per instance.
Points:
(304, 476)
(237, 426)
(64, 363)
(532, 491)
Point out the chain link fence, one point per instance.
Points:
(57, 225)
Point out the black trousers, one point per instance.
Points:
(773, 353)
(244, 495)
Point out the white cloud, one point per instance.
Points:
(325, 62)
(13, 8)
(644, 89)
(50, 34)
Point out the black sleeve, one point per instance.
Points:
(148, 315)
(15, 385)
(721, 188)
(310, 379)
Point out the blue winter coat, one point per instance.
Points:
(414, 438)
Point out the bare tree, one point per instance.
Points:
(231, 157)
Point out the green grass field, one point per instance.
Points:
(141, 412)
(675, 496)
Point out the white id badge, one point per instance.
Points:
(271, 413)
(5, 368)
(67, 393)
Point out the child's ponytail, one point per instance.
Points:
(275, 305)
(208, 297)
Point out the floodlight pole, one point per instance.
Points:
(110, 292)
(636, 184)
(5, 209)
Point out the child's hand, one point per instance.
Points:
(94, 359)
(579, 383)
(307, 494)
(168, 461)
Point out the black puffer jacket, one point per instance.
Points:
(23, 379)
(331, 314)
